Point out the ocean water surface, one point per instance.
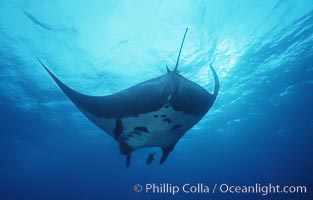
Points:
(259, 131)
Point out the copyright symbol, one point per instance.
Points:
(138, 188)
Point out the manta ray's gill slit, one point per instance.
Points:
(155, 116)
(141, 128)
(177, 126)
(167, 120)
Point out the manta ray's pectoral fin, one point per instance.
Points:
(166, 151)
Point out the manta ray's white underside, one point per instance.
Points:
(164, 127)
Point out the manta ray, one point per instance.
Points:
(154, 113)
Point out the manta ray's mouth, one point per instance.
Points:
(154, 113)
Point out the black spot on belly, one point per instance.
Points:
(141, 128)
(167, 120)
(163, 116)
(176, 126)
(166, 106)
(155, 116)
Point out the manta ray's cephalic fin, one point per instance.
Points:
(124, 148)
(128, 159)
(165, 153)
(118, 128)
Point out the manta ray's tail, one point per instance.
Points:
(181, 46)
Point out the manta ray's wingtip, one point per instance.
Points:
(40, 61)
(68, 91)
(44, 66)
(216, 80)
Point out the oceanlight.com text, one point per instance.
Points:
(224, 188)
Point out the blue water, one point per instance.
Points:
(260, 130)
